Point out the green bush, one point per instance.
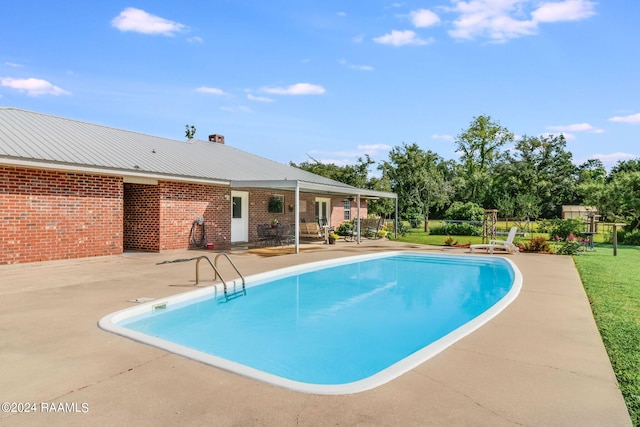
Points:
(570, 247)
(629, 238)
(564, 227)
(458, 229)
(414, 216)
(464, 211)
(345, 228)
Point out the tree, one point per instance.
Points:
(355, 175)
(540, 175)
(190, 131)
(620, 199)
(624, 166)
(382, 205)
(480, 147)
(417, 177)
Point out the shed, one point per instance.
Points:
(578, 212)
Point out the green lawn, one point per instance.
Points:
(613, 289)
(612, 285)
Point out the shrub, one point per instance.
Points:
(464, 211)
(345, 228)
(629, 238)
(460, 229)
(563, 228)
(414, 216)
(570, 246)
(536, 244)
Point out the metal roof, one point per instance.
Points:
(40, 140)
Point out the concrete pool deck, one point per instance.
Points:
(540, 362)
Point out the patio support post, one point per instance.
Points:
(358, 215)
(297, 219)
(396, 220)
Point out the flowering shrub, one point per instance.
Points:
(569, 246)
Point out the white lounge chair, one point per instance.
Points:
(505, 245)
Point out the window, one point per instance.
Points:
(237, 208)
(276, 203)
(347, 210)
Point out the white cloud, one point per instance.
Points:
(195, 39)
(373, 149)
(354, 66)
(422, 18)
(611, 159)
(33, 87)
(568, 10)
(13, 64)
(139, 21)
(402, 38)
(443, 137)
(252, 97)
(501, 20)
(633, 119)
(295, 89)
(342, 14)
(211, 90)
(567, 135)
(237, 109)
(578, 127)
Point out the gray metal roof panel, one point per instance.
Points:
(35, 136)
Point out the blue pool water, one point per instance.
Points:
(336, 325)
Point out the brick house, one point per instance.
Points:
(71, 189)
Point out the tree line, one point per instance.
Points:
(528, 178)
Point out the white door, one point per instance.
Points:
(239, 216)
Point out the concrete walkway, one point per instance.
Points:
(541, 362)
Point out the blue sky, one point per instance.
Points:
(332, 80)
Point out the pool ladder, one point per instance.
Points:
(214, 265)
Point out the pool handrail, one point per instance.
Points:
(214, 265)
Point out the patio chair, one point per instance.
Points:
(265, 236)
(286, 234)
(505, 245)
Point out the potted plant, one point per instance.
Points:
(274, 222)
(332, 238)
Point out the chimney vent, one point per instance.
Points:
(216, 138)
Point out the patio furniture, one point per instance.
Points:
(505, 245)
(310, 230)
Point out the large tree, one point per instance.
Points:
(618, 199)
(356, 175)
(480, 147)
(538, 175)
(418, 178)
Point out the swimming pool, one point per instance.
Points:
(330, 327)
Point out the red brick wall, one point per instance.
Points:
(141, 217)
(182, 203)
(48, 215)
(259, 212)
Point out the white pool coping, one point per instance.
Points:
(110, 323)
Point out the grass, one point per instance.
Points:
(612, 286)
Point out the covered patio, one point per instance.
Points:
(300, 186)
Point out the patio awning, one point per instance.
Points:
(307, 186)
